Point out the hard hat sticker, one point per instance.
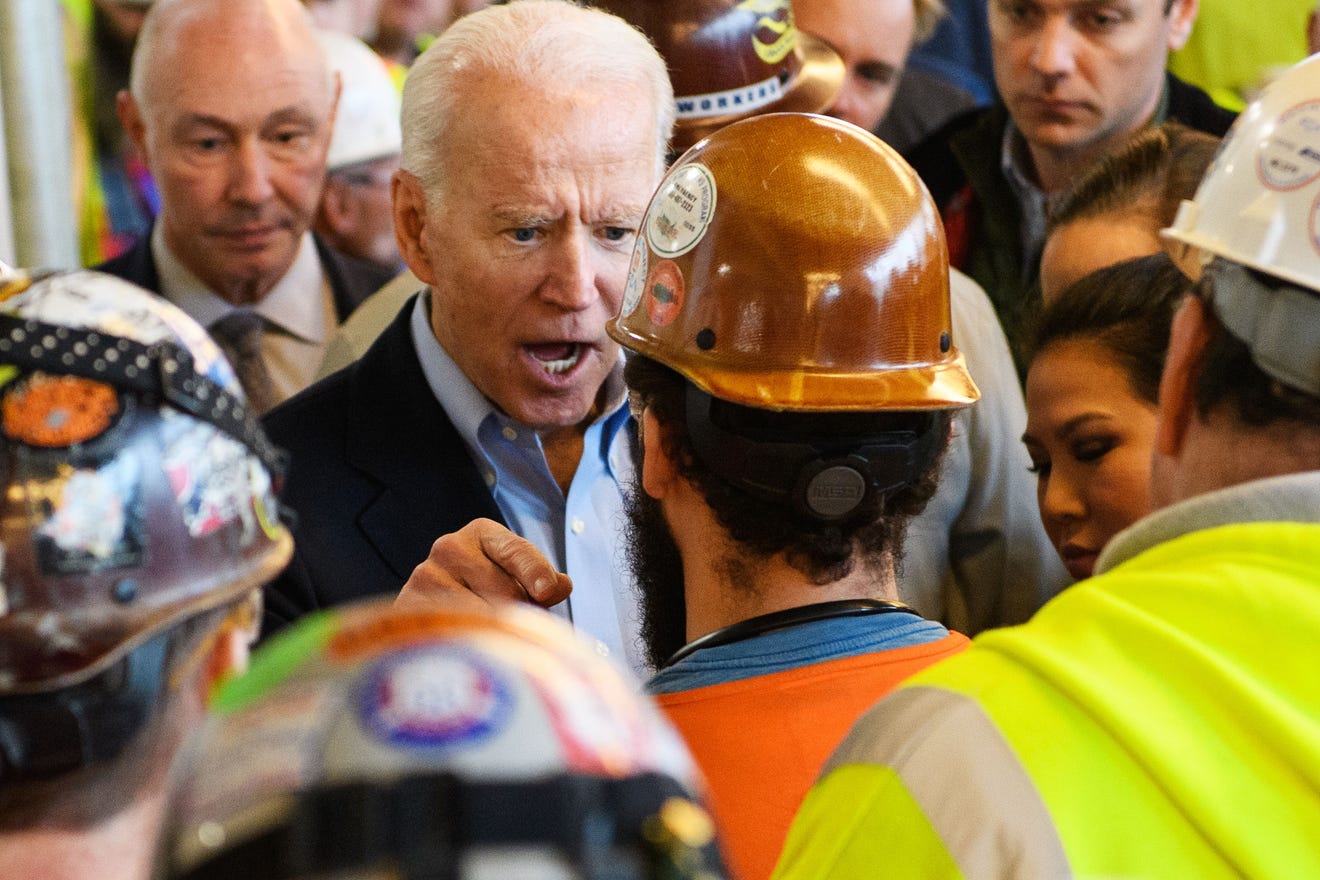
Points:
(598, 726)
(115, 307)
(632, 292)
(56, 411)
(272, 746)
(681, 211)
(664, 293)
(92, 518)
(775, 36)
(435, 697)
(1290, 157)
(211, 477)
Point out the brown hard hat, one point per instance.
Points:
(138, 491)
(796, 262)
(730, 59)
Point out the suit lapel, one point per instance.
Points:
(399, 434)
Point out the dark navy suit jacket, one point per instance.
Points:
(377, 472)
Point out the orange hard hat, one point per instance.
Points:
(730, 59)
(796, 262)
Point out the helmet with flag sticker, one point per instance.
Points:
(370, 740)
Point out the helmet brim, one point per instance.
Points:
(813, 90)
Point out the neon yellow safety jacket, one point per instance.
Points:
(1161, 720)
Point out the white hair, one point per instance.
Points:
(538, 42)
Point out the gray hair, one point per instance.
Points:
(538, 42)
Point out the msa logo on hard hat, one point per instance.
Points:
(835, 491)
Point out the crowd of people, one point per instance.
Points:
(925, 476)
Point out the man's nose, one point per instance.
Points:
(249, 175)
(573, 275)
(1055, 49)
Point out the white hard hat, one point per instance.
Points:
(1259, 203)
(367, 121)
(478, 747)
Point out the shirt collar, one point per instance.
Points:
(1290, 498)
(465, 405)
(287, 305)
(1014, 161)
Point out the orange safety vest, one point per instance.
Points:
(762, 741)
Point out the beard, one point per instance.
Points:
(657, 570)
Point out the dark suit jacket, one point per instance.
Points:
(351, 280)
(960, 165)
(377, 473)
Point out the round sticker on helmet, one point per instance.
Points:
(1290, 157)
(632, 292)
(664, 293)
(681, 211)
(434, 698)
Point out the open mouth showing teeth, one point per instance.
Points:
(556, 359)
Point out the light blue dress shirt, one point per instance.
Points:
(581, 534)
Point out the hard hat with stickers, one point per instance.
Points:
(730, 59)
(137, 493)
(434, 744)
(1259, 202)
(1257, 210)
(796, 262)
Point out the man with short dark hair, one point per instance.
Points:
(1076, 79)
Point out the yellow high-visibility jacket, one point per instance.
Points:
(1161, 720)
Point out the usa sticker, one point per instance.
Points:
(211, 478)
(435, 698)
(1290, 156)
(681, 211)
(632, 293)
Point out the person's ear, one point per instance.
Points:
(130, 117)
(1188, 339)
(411, 221)
(1182, 15)
(658, 470)
(335, 209)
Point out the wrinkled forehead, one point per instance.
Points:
(588, 123)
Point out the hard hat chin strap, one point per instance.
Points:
(46, 735)
(824, 478)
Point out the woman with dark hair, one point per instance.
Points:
(1091, 391)
(1115, 211)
